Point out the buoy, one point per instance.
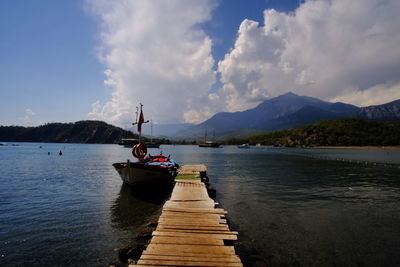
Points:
(139, 150)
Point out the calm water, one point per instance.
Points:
(292, 207)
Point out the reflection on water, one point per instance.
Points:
(135, 205)
(292, 207)
(296, 210)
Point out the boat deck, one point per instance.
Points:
(191, 231)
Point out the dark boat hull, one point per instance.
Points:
(153, 145)
(137, 173)
(210, 145)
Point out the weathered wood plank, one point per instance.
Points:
(186, 240)
(192, 168)
(194, 227)
(196, 235)
(192, 222)
(197, 257)
(173, 249)
(198, 231)
(190, 205)
(198, 210)
(188, 263)
(174, 214)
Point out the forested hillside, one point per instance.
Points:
(337, 132)
(79, 132)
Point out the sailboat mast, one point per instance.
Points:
(151, 131)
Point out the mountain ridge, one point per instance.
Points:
(286, 112)
(89, 132)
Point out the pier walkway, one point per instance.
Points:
(190, 230)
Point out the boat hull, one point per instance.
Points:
(141, 174)
(153, 145)
(210, 145)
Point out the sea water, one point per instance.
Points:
(292, 207)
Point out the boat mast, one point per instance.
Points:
(138, 118)
(151, 131)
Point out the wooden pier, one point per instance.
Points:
(190, 230)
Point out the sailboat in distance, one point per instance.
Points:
(152, 144)
(209, 143)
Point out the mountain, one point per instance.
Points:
(79, 132)
(385, 112)
(286, 112)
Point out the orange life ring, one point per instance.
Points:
(139, 150)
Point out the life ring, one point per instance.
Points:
(139, 150)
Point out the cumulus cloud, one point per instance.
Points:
(155, 53)
(29, 118)
(334, 50)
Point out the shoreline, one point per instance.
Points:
(358, 147)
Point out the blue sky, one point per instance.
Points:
(63, 61)
(49, 63)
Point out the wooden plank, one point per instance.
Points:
(198, 231)
(190, 205)
(191, 222)
(174, 214)
(192, 168)
(188, 222)
(194, 227)
(197, 257)
(199, 210)
(173, 249)
(188, 216)
(186, 241)
(188, 263)
(195, 235)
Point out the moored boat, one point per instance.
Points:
(128, 142)
(209, 143)
(244, 146)
(154, 170)
(152, 145)
(157, 170)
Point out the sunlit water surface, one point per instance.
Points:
(292, 207)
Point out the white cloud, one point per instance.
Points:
(156, 54)
(339, 49)
(28, 119)
(380, 94)
(29, 112)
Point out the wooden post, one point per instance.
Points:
(129, 169)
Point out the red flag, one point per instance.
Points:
(140, 122)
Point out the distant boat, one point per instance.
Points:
(209, 143)
(128, 142)
(152, 144)
(244, 146)
(155, 170)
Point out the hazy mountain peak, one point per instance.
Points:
(287, 111)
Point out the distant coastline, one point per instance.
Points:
(358, 147)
